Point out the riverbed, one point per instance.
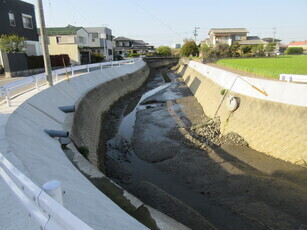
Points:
(162, 148)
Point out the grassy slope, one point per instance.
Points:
(270, 67)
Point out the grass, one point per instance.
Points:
(269, 67)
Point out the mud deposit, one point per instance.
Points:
(165, 151)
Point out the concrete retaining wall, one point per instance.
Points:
(87, 120)
(275, 125)
(42, 155)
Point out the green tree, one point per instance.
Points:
(270, 47)
(246, 49)
(204, 49)
(164, 51)
(222, 50)
(189, 48)
(258, 50)
(234, 49)
(12, 43)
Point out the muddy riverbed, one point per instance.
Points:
(161, 147)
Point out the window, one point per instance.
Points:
(12, 19)
(81, 39)
(238, 37)
(110, 52)
(27, 21)
(65, 40)
(120, 44)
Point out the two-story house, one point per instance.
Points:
(101, 41)
(124, 45)
(18, 17)
(226, 36)
(70, 40)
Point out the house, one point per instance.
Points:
(302, 44)
(125, 45)
(226, 36)
(18, 17)
(251, 40)
(101, 41)
(70, 40)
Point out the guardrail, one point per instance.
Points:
(5, 91)
(47, 212)
(293, 77)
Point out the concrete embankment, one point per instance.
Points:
(43, 157)
(273, 124)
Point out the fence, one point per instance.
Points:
(293, 77)
(47, 212)
(36, 80)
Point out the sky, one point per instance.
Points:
(167, 22)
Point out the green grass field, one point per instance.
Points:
(269, 67)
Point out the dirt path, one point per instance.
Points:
(179, 163)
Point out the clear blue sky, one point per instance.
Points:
(162, 22)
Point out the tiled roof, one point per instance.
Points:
(122, 39)
(228, 30)
(271, 39)
(303, 43)
(250, 42)
(68, 30)
(252, 38)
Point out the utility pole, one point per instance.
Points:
(274, 32)
(44, 43)
(195, 32)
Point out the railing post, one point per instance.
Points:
(88, 68)
(7, 96)
(100, 66)
(54, 190)
(112, 63)
(72, 71)
(36, 83)
(56, 77)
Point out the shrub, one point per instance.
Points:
(164, 51)
(84, 151)
(189, 49)
(294, 50)
(12, 43)
(97, 57)
(135, 55)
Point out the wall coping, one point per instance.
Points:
(278, 91)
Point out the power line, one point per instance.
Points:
(155, 17)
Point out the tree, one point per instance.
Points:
(245, 49)
(204, 49)
(12, 43)
(234, 49)
(189, 48)
(270, 47)
(164, 51)
(258, 50)
(221, 50)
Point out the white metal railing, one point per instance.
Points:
(5, 91)
(293, 77)
(47, 212)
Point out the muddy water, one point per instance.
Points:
(223, 187)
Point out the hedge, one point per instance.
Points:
(294, 50)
